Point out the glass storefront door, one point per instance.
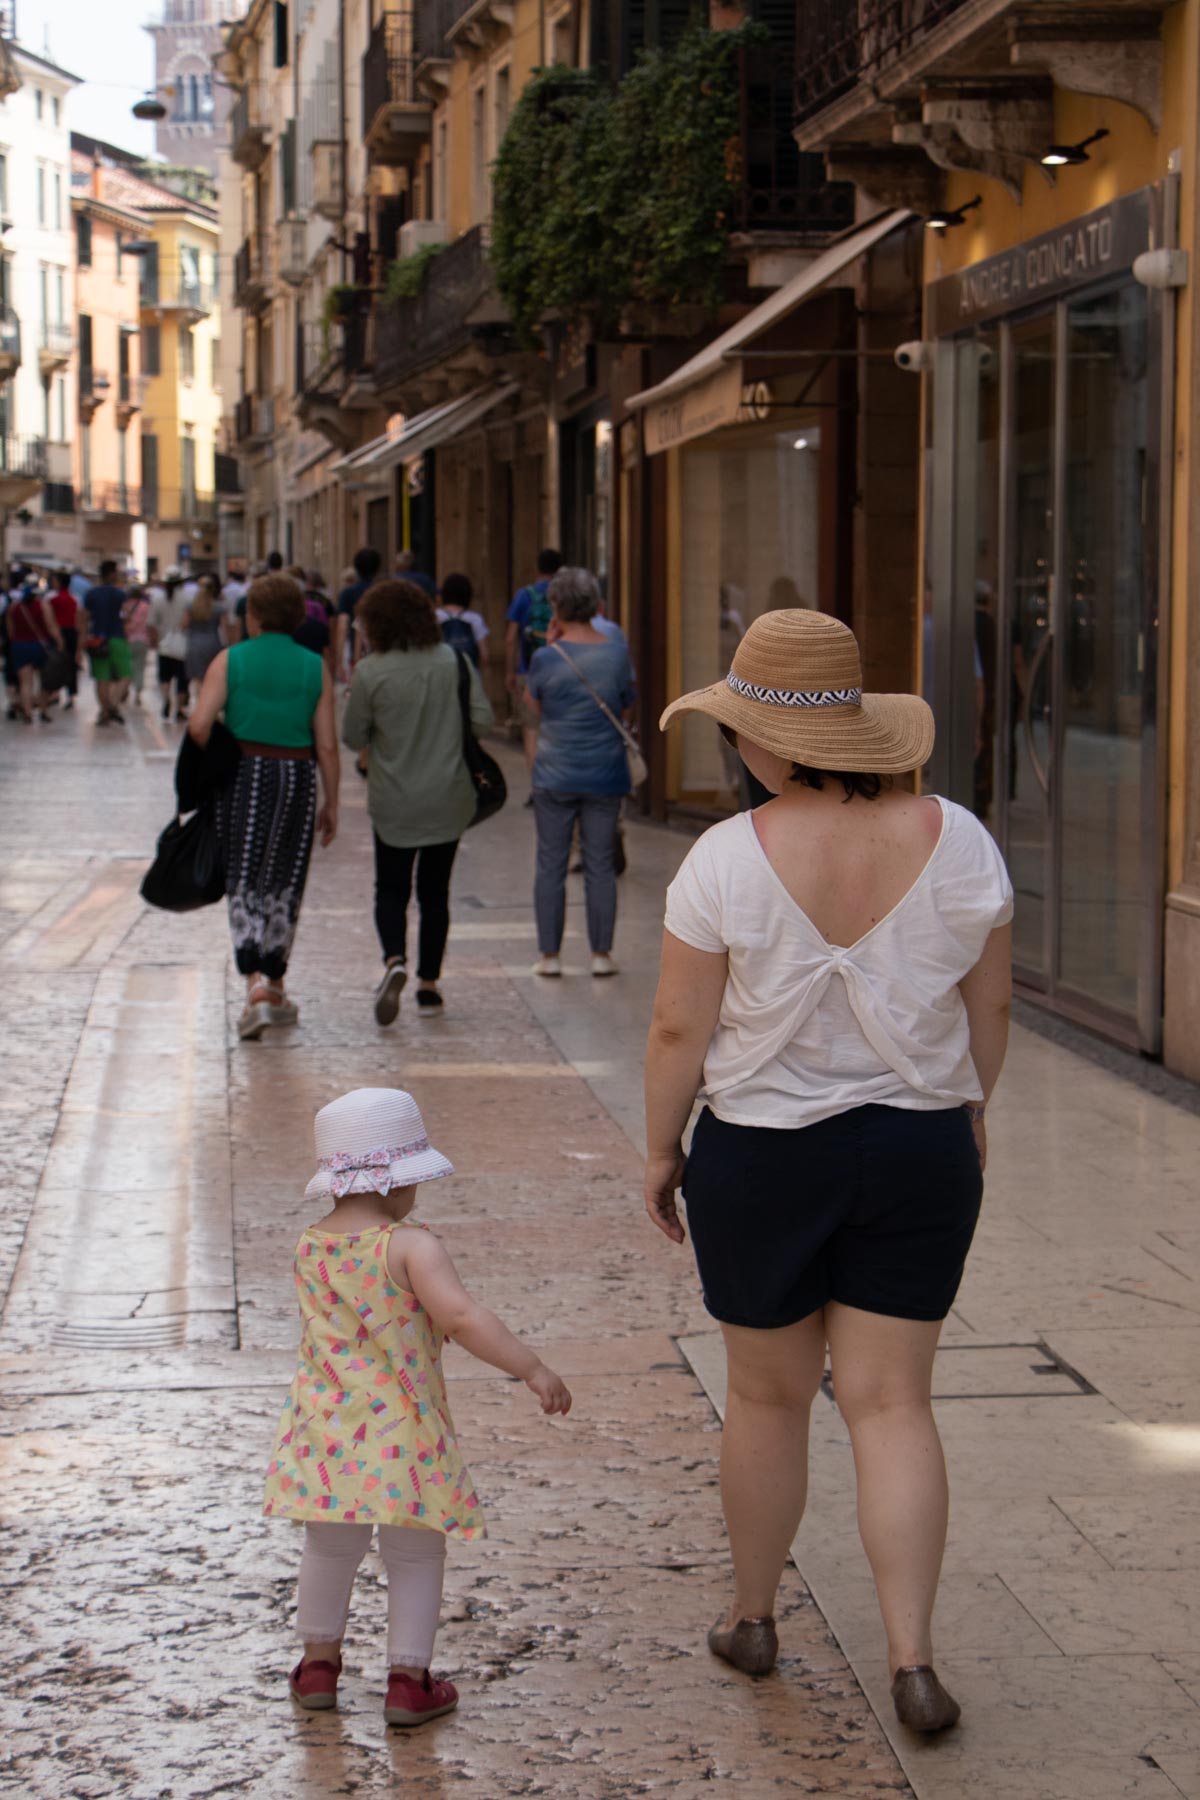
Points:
(1044, 591)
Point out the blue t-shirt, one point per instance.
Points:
(350, 596)
(104, 607)
(579, 751)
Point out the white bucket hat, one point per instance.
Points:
(371, 1141)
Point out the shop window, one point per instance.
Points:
(750, 547)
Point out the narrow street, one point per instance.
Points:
(154, 1172)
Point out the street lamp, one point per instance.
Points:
(1059, 156)
(149, 107)
(948, 216)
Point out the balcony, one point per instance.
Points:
(94, 388)
(110, 499)
(10, 343)
(248, 130)
(179, 292)
(131, 395)
(396, 121)
(254, 421)
(943, 78)
(250, 274)
(177, 506)
(334, 375)
(433, 53)
(56, 344)
(24, 469)
(416, 333)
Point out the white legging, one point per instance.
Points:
(415, 1560)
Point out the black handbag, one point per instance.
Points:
(491, 789)
(188, 870)
(56, 670)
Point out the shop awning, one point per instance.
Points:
(706, 392)
(423, 432)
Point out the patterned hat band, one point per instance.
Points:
(767, 696)
(374, 1164)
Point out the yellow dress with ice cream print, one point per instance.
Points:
(366, 1434)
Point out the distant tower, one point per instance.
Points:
(186, 39)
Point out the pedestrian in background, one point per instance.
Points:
(202, 630)
(277, 700)
(835, 982)
(65, 608)
(373, 1150)
(32, 629)
(138, 608)
(168, 615)
(367, 563)
(108, 647)
(404, 710)
(462, 627)
(527, 631)
(580, 771)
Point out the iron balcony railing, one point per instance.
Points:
(387, 66)
(24, 456)
(95, 385)
(249, 270)
(167, 506)
(58, 497)
(57, 337)
(131, 391)
(840, 43)
(422, 330)
(253, 418)
(781, 189)
(122, 497)
(248, 129)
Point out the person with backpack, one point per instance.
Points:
(529, 619)
(462, 628)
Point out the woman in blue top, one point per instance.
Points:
(580, 774)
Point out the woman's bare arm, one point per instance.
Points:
(686, 1008)
(214, 691)
(987, 995)
(328, 760)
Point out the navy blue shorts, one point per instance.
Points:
(875, 1208)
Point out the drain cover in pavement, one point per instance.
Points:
(164, 1333)
(1000, 1372)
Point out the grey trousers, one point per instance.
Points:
(555, 815)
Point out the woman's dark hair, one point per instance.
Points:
(398, 615)
(855, 781)
(276, 603)
(457, 591)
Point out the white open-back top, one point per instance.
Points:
(808, 1030)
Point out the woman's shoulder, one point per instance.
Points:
(725, 845)
(969, 847)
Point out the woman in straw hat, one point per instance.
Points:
(835, 984)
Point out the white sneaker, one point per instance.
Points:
(387, 994)
(254, 1021)
(548, 965)
(603, 964)
(285, 1012)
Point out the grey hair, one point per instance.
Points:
(575, 596)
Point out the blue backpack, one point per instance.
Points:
(458, 634)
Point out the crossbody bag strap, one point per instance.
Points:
(626, 736)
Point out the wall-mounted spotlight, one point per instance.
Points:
(801, 443)
(948, 216)
(1061, 156)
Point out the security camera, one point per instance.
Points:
(914, 356)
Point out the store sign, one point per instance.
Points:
(695, 411)
(1100, 243)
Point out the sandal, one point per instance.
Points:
(413, 1702)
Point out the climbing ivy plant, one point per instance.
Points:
(605, 198)
(406, 276)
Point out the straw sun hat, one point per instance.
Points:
(795, 689)
(371, 1141)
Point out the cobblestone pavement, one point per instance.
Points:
(153, 1173)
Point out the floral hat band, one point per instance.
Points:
(371, 1141)
(376, 1165)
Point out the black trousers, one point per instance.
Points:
(393, 888)
(71, 646)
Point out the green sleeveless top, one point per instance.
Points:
(273, 688)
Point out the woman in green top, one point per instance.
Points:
(277, 699)
(404, 709)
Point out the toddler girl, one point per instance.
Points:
(366, 1436)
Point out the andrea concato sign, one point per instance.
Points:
(1100, 243)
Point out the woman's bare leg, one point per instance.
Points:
(882, 1374)
(773, 1379)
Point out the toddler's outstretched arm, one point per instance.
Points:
(433, 1278)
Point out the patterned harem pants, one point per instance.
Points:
(266, 820)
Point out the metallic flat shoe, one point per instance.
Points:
(751, 1646)
(921, 1701)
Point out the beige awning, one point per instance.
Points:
(707, 392)
(363, 468)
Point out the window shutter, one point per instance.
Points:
(281, 34)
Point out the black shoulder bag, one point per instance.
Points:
(491, 790)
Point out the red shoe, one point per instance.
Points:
(314, 1684)
(413, 1702)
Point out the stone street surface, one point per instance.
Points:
(153, 1172)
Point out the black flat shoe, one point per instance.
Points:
(921, 1701)
(751, 1646)
(429, 1000)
